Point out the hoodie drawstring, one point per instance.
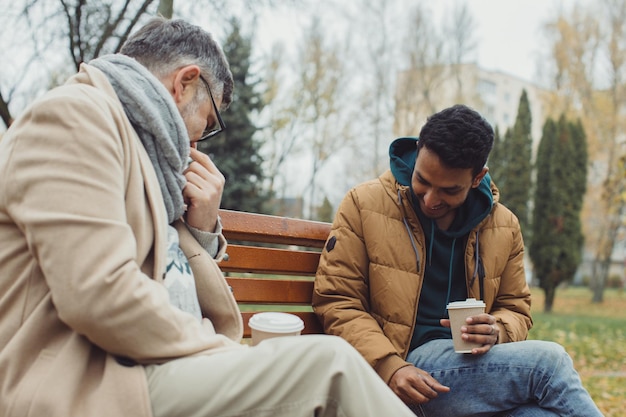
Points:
(408, 229)
(479, 268)
(450, 272)
(432, 239)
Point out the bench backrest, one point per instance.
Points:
(271, 263)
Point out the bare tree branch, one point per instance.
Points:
(5, 114)
(132, 24)
(110, 29)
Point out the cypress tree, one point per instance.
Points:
(325, 212)
(580, 159)
(518, 170)
(556, 243)
(496, 160)
(543, 249)
(576, 184)
(235, 151)
(569, 256)
(499, 163)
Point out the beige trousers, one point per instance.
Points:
(295, 376)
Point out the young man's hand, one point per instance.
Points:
(415, 386)
(203, 192)
(481, 329)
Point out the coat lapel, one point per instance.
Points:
(157, 209)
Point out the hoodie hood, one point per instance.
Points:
(402, 155)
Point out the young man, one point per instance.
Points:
(428, 232)
(111, 303)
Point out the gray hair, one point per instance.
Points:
(163, 45)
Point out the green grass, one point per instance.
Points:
(594, 335)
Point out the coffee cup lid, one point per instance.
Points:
(470, 302)
(276, 322)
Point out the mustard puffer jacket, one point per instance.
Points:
(370, 274)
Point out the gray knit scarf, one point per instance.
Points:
(157, 121)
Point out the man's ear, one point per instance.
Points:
(185, 83)
(478, 178)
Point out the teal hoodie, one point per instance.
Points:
(444, 274)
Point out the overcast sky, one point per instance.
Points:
(509, 32)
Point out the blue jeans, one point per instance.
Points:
(522, 379)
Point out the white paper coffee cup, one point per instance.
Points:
(458, 311)
(273, 324)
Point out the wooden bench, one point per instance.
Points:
(271, 264)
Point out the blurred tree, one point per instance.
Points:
(460, 30)
(235, 151)
(423, 46)
(497, 156)
(503, 153)
(589, 58)
(547, 223)
(516, 173)
(436, 55)
(556, 243)
(578, 165)
(325, 212)
(576, 162)
(318, 97)
(280, 131)
(376, 104)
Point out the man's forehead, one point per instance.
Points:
(429, 168)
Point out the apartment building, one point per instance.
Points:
(494, 94)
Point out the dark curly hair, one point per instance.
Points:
(460, 136)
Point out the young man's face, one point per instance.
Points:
(441, 190)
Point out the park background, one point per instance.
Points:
(323, 87)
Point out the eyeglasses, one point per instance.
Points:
(214, 129)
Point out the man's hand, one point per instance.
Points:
(415, 386)
(203, 192)
(481, 329)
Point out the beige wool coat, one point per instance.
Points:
(368, 285)
(82, 257)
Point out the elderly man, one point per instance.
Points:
(111, 302)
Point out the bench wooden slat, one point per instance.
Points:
(273, 229)
(263, 260)
(282, 276)
(311, 323)
(271, 291)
